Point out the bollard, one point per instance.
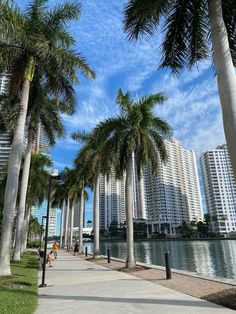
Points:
(108, 256)
(168, 269)
(86, 251)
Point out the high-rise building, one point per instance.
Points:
(40, 142)
(41, 145)
(164, 200)
(5, 137)
(220, 189)
(52, 222)
(174, 194)
(112, 200)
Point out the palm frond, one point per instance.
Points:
(142, 17)
(229, 14)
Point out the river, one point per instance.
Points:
(214, 258)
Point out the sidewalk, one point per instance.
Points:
(78, 286)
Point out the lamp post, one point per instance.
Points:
(53, 175)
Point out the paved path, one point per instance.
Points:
(79, 286)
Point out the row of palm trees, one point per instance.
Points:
(37, 49)
(135, 133)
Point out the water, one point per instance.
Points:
(214, 258)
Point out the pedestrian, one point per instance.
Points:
(55, 249)
(50, 258)
(76, 248)
(41, 256)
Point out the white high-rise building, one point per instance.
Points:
(164, 200)
(52, 222)
(112, 200)
(220, 189)
(5, 138)
(174, 194)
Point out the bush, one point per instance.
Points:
(33, 244)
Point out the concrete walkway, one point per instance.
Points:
(79, 286)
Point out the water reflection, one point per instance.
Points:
(215, 258)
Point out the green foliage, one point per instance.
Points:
(35, 229)
(136, 130)
(36, 41)
(19, 293)
(38, 179)
(33, 244)
(185, 25)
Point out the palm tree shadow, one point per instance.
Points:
(195, 303)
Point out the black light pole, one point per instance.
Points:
(52, 176)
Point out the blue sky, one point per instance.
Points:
(193, 106)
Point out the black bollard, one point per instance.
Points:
(168, 269)
(108, 256)
(86, 251)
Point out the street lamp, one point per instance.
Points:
(53, 176)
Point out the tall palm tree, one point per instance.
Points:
(91, 160)
(31, 41)
(193, 31)
(37, 189)
(135, 133)
(61, 198)
(43, 112)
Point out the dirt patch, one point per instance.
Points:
(131, 270)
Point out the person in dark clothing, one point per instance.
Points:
(41, 256)
(76, 248)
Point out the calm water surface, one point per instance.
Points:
(215, 258)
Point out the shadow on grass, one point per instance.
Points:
(225, 298)
(18, 291)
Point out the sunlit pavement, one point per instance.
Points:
(78, 286)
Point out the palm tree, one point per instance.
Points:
(34, 41)
(61, 198)
(37, 189)
(135, 133)
(43, 112)
(193, 31)
(90, 159)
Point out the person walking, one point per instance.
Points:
(55, 249)
(76, 248)
(50, 258)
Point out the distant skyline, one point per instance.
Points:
(193, 106)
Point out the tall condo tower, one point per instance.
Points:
(164, 200)
(111, 200)
(40, 142)
(220, 189)
(174, 194)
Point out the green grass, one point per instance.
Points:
(225, 298)
(19, 293)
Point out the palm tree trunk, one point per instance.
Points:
(67, 221)
(12, 182)
(96, 217)
(226, 77)
(81, 216)
(62, 224)
(130, 260)
(25, 231)
(72, 224)
(23, 193)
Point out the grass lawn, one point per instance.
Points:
(226, 298)
(19, 293)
